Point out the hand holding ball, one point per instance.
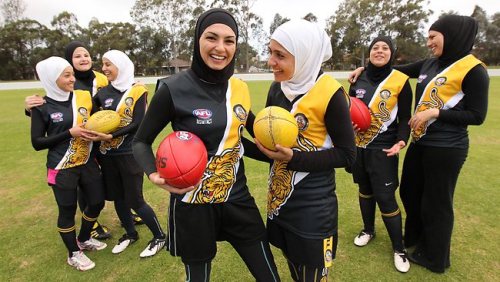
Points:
(360, 114)
(275, 125)
(105, 121)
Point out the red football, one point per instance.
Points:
(181, 159)
(360, 115)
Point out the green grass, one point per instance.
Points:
(31, 249)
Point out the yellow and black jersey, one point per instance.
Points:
(50, 130)
(93, 84)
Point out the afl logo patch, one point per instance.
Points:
(385, 94)
(108, 102)
(421, 78)
(183, 135)
(240, 112)
(203, 116)
(56, 117)
(360, 93)
(302, 122)
(440, 81)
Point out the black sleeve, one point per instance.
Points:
(404, 112)
(249, 124)
(138, 115)
(339, 127)
(412, 70)
(253, 152)
(39, 140)
(159, 114)
(475, 87)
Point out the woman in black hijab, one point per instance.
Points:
(387, 93)
(451, 94)
(208, 102)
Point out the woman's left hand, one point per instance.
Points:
(281, 153)
(420, 118)
(97, 136)
(394, 150)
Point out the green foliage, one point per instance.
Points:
(31, 249)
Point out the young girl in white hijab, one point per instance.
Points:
(302, 205)
(122, 174)
(56, 126)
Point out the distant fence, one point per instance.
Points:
(152, 80)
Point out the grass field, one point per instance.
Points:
(31, 249)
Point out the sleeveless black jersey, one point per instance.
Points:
(383, 99)
(58, 118)
(440, 133)
(109, 98)
(219, 122)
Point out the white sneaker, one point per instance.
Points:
(91, 245)
(153, 247)
(363, 238)
(80, 261)
(401, 262)
(123, 243)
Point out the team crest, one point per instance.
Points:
(108, 102)
(302, 122)
(385, 94)
(129, 101)
(440, 81)
(360, 93)
(240, 112)
(56, 117)
(203, 116)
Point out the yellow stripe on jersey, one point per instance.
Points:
(100, 81)
(444, 91)
(383, 107)
(79, 150)
(220, 173)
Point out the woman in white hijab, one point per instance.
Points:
(56, 126)
(302, 205)
(122, 175)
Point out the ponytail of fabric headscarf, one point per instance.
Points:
(377, 74)
(459, 33)
(204, 72)
(125, 78)
(48, 72)
(311, 46)
(87, 77)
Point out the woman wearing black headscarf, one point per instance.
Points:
(388, 95)
(207, 101)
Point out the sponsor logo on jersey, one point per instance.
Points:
(385, 94)
(360, 93)
(302, 121)
(56, 117)
(108, 102)
(421, 78)
(203, 116)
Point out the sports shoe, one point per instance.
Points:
(125, 241)
(91, 245)
(154, 246)
(401, 262)
(80, 261)
(363, 238)
(137, 219)
(100, 232)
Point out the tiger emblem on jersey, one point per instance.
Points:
(219, 177)
(116, 142)
(281, 179)
(434, 103)
(78, 153)
(377, 121)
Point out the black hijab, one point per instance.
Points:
(377, 74)
(199, 67)
(459, 34)
(84, 76)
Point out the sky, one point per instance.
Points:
(118, 10)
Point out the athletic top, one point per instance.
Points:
(216, 113)
(131, 105)
(50, 124)
(301, 194)
(390, 108)
(459, 90)
(95, 82)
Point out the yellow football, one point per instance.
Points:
(105, 121)
(275, 125)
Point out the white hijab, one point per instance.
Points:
(125, 78)
(311, 46)
(48, 72)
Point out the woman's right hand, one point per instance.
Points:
(353, 76)
(33, 101)
(160, 182)
(79, 131)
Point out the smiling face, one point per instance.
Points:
(66, 81)
(280, 61)
(435, 42)
(380, 54)
(81, 59)
(217, 46)
(109, 69)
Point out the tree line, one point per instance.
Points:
(163, 30)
